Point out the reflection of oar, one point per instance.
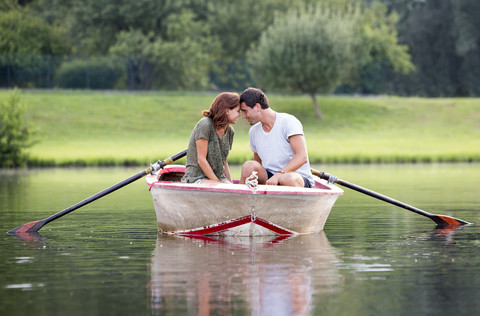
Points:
(441, 220)
(33, 227)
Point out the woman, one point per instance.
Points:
(211, 141)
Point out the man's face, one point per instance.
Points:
(250, 114)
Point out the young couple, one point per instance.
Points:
(276, 139)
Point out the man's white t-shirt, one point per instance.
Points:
(274, 147)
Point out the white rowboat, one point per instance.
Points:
(237, 209)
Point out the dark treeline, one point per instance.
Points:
(200, 45)
(444, 42)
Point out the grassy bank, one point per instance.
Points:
(97, 128)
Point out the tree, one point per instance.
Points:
(237, 24)
(467, 45)
(14, 132)
(428, 29)
(23, 33)
(24, 38)
(136, 46)
(307, 51)
(444, 43)
(380, 50)
(93, 25)
(181, 59)
(316, 50)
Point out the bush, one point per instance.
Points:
(94, 73)
(14, 132)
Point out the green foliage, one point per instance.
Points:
(442, 37)
(379, 34)
(304, 51)
(24, 34)
(100, 27)
(93, 25)
(467, 45)
(318, 48)
(246, 20)
(137, 47)
(14, 132)
(182, 59)
(187, 54)
(379, 50)
(444, 43)
(96, 73)
(237, 24)
(24, 40)
(308, 51)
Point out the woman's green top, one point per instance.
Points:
(218, 149)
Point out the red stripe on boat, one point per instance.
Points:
(234, 223)
(274, 228)
(217, 228)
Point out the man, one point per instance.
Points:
(276, 139)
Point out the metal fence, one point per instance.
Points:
(65, 72)
(103, 72)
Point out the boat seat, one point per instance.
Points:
(172, 173)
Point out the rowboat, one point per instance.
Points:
(237, 209)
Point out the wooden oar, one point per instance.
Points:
(33, 227)
(441, 220)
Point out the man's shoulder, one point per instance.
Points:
(255, 127)
(288, 120)
(286, 116)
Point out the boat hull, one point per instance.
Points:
(235, 209)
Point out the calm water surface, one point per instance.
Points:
(372, 259)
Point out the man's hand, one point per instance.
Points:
(274, 179)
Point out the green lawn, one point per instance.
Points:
(103, 128)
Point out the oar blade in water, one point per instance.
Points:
(447, 221)
(28, 227)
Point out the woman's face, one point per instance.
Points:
(233, 114)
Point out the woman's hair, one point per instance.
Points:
(252, 96)
(218, 110)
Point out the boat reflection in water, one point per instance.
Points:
(253, 275)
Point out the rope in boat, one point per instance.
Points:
(252, 184)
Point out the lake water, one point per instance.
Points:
(373, 258)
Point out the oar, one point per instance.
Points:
(441, 220)
(33, 227)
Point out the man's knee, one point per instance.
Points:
(292, 179)
(251, 165)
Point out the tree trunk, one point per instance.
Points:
(318, 111)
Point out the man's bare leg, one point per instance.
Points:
(250, 166)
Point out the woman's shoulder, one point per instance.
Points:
(205, 122)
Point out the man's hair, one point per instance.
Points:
(252, 96)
